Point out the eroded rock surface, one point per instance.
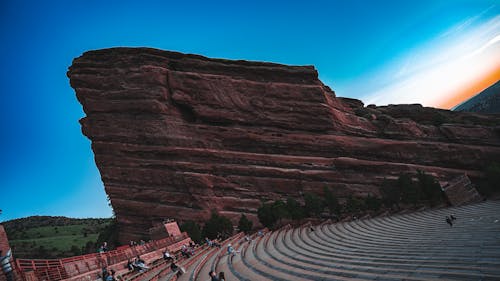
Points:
(176, 135)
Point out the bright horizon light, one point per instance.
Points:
(447, 71)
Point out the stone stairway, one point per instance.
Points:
(410, 246)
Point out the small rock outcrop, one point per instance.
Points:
(177, 135)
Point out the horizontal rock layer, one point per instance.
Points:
(176, 135)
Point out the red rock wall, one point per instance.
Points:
(175, 135)
(4, 241)
(4, 247)
(164, 230)
(173, 228)
(461, 191)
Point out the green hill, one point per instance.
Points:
(54, 237)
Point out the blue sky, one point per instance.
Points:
(362, 49)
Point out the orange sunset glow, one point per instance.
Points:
(472, 89)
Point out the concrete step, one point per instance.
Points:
(243, 264)
(341, 242)
(374, 267)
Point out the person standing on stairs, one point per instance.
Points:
(448, 220)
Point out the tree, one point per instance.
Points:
(280, 210)
(193, 230)
(41, 252)
(109, 234)
(75, 251)
(294, 209)
(266, 215)
(90, 247)
(354, 205)
(313, 205)
(430, 187)
(372, 203)
(391, 193)
(410, 192)
(492, 174)
(217, 225)
(334, 207)
(245, 224)
(491, 181)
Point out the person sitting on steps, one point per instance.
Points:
(230, 250)
(140, 264)
(175, 268)
(185, 251)
(130, 265)
(213, 276)
(167, 256)
(112, 277)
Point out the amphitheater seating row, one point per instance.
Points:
(410, 246)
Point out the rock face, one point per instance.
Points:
(176, 136)
(487, 101)
(460, 191)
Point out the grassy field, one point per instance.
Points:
(46, 237)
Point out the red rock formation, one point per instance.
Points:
(178, 135)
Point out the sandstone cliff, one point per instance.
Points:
(176, 135)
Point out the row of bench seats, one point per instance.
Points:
(160, 269)
(410, 246)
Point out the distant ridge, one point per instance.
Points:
(56, 237)
(41, 221)
(487, 101)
